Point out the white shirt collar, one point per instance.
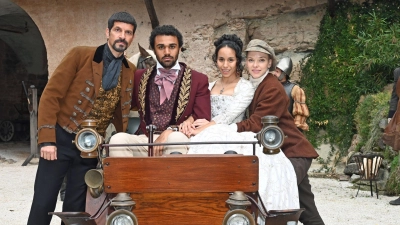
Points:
(176, 67)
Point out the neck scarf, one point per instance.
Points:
(256, 81)
(111, 69)
(165, 81)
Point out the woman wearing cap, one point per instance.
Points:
(270, 99)
(277, 182)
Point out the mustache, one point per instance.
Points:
(121, 40)
(167, 56)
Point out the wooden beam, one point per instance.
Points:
(152, 13)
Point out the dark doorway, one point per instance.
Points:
(23, 59)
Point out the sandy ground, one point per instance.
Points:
(335, 200)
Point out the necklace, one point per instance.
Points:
(223, 88)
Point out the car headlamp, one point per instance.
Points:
(122, 217)
(87, 140)
(238, 202)
(271, 136)
(238, 217)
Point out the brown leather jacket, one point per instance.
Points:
(72, 89)
(270, 99)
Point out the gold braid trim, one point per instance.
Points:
(184, 92)
(142, 89)
(46, 126)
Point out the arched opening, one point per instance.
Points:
(23, 58)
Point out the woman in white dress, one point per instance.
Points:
(277, 179)
(230, 94)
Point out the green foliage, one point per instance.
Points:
(395, 162)
(379, 39)
(393, 183)
(368, 114)
(355, 55)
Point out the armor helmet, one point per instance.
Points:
(286, 65)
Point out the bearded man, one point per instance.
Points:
(90, 83)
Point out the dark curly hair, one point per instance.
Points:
(168, 30)
(122, 17)
(234, 42)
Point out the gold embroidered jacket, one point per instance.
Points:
(193, 97)
(72, 89)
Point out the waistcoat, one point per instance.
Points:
(161, 115)
(104, 106)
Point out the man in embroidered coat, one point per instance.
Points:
(90, 83)
(169, 94)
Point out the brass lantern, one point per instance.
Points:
(271, 137)
(123, 214)
(87, 140)
(237, 213)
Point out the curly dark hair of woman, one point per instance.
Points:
(232, 41)
(167, 30)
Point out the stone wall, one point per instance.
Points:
(290, 26)
(292, 33)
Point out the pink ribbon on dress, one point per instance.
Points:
(165, 81)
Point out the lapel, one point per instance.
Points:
(97, 74)
(143, 88)
(125, 79)
(183, 93)
(258, 96)
(97, 68)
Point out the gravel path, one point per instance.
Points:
(335, 200)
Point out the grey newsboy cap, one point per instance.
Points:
(257, 45)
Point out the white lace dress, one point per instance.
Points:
(227, 109)
(277, 179)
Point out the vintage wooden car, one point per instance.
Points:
(177, 189)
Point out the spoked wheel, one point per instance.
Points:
(6, 130)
